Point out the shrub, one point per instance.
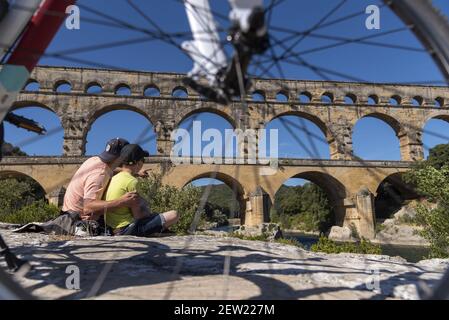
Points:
(16, 194)
(380, 227)
(162, 198)
(433, 215)
(261, 237)
(219, 218)
(354, 231)
(289, 241)
(302, 207)
(406, 219)
(328, 246)
(39, 211)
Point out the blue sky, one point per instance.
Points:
(360, 61)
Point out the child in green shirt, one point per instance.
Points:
(137, 220)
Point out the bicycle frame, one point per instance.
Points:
(36, 36)
(248, 35)
(205, 49)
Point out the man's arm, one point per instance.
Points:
(96, 208)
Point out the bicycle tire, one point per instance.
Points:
(11, 290)
(429, 25)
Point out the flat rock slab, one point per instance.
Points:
(207, 267)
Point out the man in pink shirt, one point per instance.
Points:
(85, 191)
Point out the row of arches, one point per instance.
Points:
(121, 89)
(227, 196)
(349, 99)
(180, 92)
(373, 136)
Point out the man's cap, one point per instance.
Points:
(132, 153)
(113, 149)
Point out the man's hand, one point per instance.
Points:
(143, 173)
(130, 199)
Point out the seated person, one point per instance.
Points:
(136, 220)
(87, 186)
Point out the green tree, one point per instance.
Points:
(18, 193)
(302, 207)
(431, 179)
(163, 198)
(38, 211)
(8, 150)
(221, 198)
(438, 156)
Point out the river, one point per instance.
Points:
(410, 253)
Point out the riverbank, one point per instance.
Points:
(211, 268)
(410, 252)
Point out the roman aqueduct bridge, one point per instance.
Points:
(334, 107)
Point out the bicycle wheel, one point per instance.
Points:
(428, 26)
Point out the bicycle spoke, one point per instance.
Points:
(315, 27)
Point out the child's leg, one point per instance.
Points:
(156, 223)
(170, 218)
(141, 210)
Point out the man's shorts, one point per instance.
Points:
(145, 227)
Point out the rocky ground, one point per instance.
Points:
(207, 267)
(399, 229)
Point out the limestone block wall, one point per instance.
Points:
(406, 108)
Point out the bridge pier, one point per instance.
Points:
(340, 141)
(257, 208)
(56, 197)
(359, 213)
(75, 129)
(164, 144)
(411, 145)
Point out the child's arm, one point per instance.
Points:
(141, 210)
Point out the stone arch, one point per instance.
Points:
(305, 97)
(350, 98)
(334, 189)
(317, 121)
(222, 113)
(373, 99)
(312, 118)
(8, 174)
(392, 122)
(231, 182)
(180, 92)
(93, 116)
(120, 86)
(327, 97)
(437, 133)
(441, 115)
(401, 133)
(282, 96)
(258, 93)
(92, 84)
(395, 100)
(157, 92)
(439, 102)
(55, 127)
(30, 103)
(391, 194)
(61, 82)
(417, 101)
(30, 82)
